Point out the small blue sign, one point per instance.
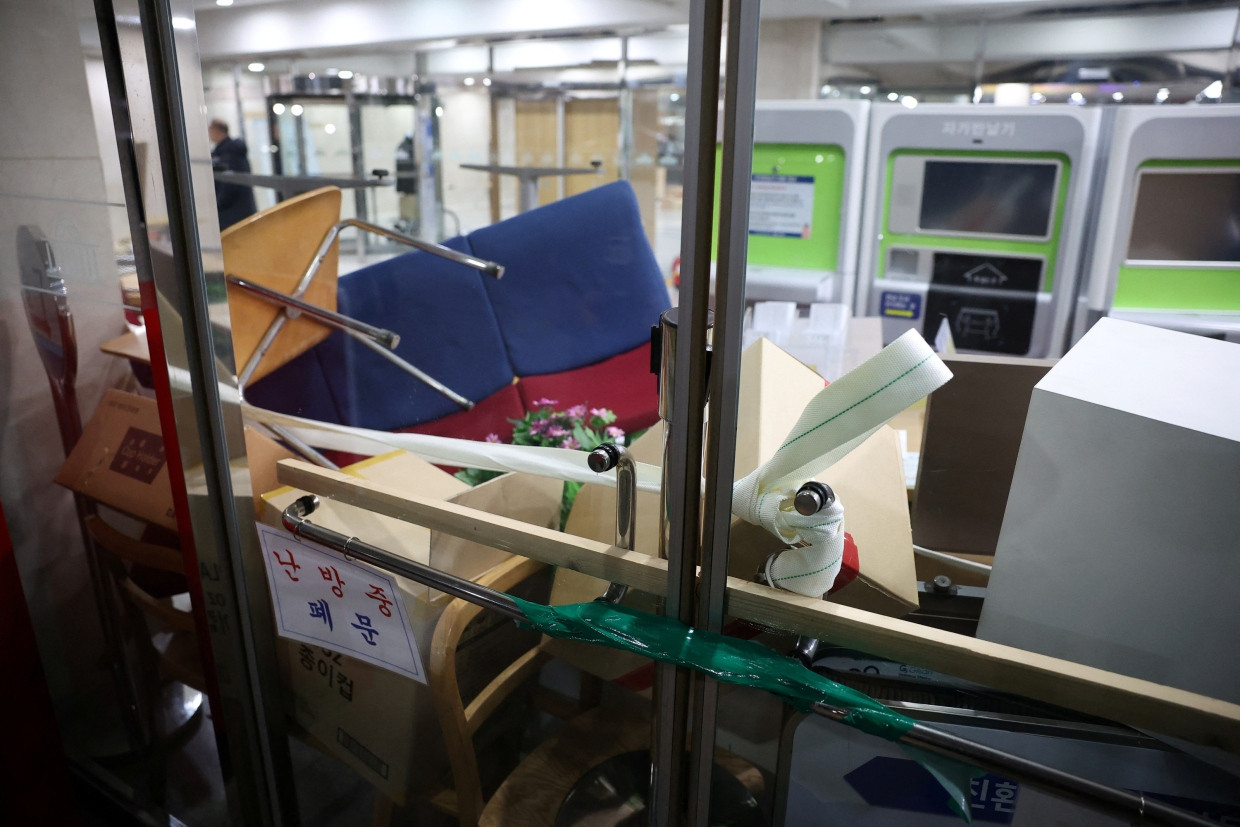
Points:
(902, 784)
(901, 305)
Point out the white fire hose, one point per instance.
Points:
(842, 416)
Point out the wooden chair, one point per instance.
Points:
(459, 719)
(532, 793)
(173, 653)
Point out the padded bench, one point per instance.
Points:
(570, 320)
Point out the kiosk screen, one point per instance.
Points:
(998, 198)
(1186, 216)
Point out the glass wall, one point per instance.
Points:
(220, 649)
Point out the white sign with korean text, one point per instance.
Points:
(781, 205)
(321, 598)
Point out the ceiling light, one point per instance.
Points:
(345, 74)
(1038, 97)
(312, 76)
(278, 108)
(296, 109)
(469, 81)
(329, 128)
(1163, 94)
(223, 2)
(1076, 98)
(486, 81)
(908, 102)
(256, 67)
(182, 23)
(1117, 96)
(675, 96)
(893, 96)
(865, 90)
(438, 111)
(1214, 90)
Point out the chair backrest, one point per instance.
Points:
(447, 330)
(580, 284)
(274, 248)
(461, 719)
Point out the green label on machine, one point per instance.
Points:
(795, 203)
(1178, 288)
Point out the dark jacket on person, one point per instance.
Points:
(234, 201)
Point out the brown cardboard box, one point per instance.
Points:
(119, 461)
(378, 722)
(972, 435)
(774, 389)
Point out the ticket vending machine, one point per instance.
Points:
(1167, 248)
(976, 215)
(805, 200)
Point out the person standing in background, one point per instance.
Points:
(407, 186)
(234, 201)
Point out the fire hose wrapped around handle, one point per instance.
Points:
(842, 416)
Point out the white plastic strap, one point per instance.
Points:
(838, 419)
(558, 463)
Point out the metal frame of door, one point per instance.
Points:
(253, 737)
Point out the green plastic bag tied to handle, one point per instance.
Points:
(727, 659)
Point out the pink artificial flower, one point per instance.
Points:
(571, 442)
(492, 438)
(545, 403)
(613, 432)
(577, 411)
(601, 413)
(555, 432)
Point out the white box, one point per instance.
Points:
(1119, 544)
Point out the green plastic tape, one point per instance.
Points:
(727, 659)
(744, 663)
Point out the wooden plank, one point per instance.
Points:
(1109, 695)
(597, 559)
(1130, 701)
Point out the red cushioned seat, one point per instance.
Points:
(622, 383)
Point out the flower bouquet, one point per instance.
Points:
(576, 428)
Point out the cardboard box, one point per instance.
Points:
(378, 722)
(120, 462)
(774, 389)
(1118, 548)
(972, 435)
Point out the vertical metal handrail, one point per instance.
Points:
(737, 126)
(681, 498)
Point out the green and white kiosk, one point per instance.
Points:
(976, 215)
(1167, 248)
(805, 200)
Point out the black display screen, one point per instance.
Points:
(988, 197)
(1187, 216)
